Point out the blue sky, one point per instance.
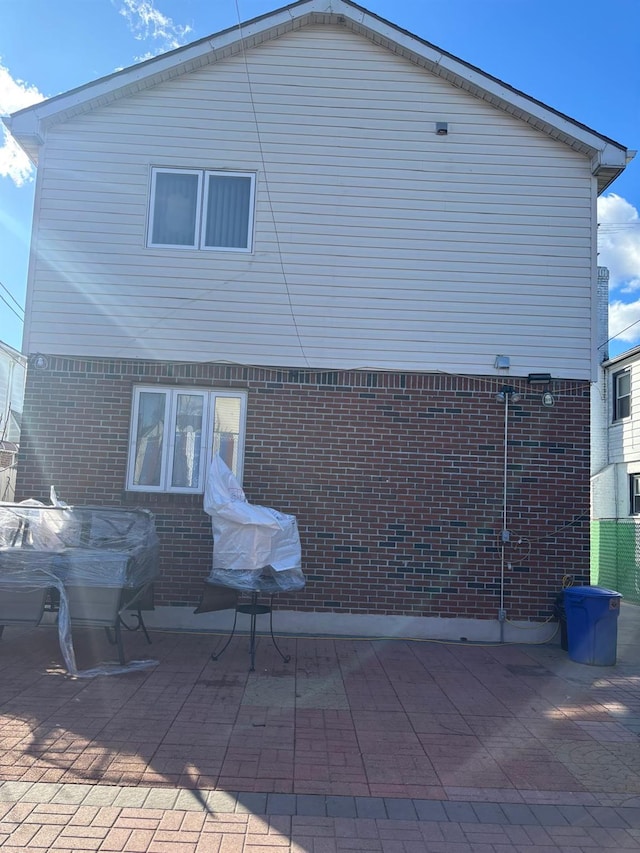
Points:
(577, 56)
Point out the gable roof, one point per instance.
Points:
(28, 126)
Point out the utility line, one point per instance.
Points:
(617, 334)
(6, 290)
(619, 224)
(267, 189)
(11, 308)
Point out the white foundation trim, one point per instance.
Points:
(356, 625)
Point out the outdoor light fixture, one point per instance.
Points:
(548, 399)
(39, 361)
(539, 377)
(509, 392)
(442, 128)
(502, 362)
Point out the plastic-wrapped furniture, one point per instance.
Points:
(256, 550)
(97, 562)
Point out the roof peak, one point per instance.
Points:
(28, 126)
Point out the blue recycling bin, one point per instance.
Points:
(592, 624)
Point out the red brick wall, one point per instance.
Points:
(396, 480)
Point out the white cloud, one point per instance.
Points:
(624, 321)
(148, 23)
(619, 242)
(15, 95)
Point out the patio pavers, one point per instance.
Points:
(355, 744)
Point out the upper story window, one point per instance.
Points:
(199, 209)
(175, 433)
(621, 395)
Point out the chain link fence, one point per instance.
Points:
(615, 556)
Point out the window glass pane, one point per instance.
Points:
(187, 441)
(175, 207)
(622, 402)
(226, 430)
(149, 439)
(228, 211)
(624, 384)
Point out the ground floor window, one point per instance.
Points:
(175, 433)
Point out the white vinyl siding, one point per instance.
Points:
(175, 432)
(624, 431)
(377, 243)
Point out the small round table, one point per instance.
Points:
(253, 609)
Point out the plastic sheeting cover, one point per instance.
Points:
(86, 546)
(60, 546)
(255, 547)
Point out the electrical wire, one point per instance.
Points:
(618, 225)
(267, 189)
(11, 308)
(617, 334)
(7, 291)
(531, 539)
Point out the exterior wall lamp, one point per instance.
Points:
(507, 392)
(547, 398)
(39, 361)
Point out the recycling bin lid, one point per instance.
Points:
(594, 591)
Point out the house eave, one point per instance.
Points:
(630, 355)
(29, 125)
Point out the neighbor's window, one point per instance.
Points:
(634, 481)
(621, 395)
(198, 209)
(175, 433)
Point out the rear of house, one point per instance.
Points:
(361, 270)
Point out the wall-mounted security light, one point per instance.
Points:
(548, 399)
(539, 377)
(442, 128)
(502, 362)
(507, 392)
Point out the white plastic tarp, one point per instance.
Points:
(41, 548)
(249, 538)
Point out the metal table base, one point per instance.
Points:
(253, 609)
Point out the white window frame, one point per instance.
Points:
(634, 490)
(172, 394)
(204, 176)
(619, 412)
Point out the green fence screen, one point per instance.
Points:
(615, 556)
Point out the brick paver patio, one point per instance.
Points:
(355, 745)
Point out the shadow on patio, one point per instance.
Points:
(359, 718)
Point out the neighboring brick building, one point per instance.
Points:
(329, 273)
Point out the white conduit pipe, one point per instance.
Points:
(504, 532)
